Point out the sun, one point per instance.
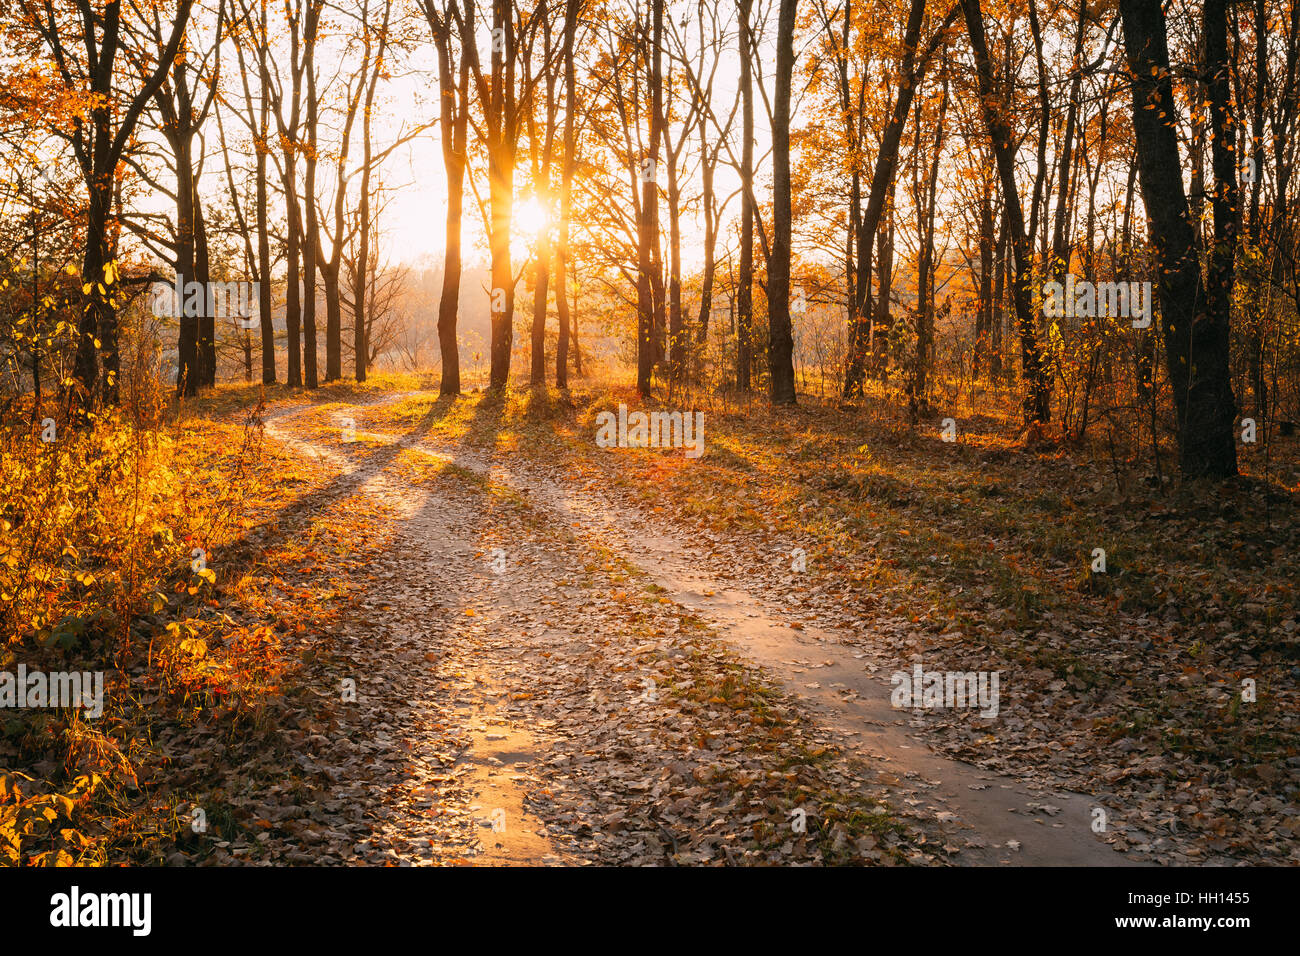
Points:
(530, 218)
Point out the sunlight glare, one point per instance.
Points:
(529, 217)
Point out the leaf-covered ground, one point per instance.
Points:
(449, 631)
(977, 555)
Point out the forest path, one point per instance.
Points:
(426, 681)
(988, 818)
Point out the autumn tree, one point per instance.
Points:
(84, 44)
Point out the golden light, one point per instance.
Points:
(529, 218)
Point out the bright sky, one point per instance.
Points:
(415, 223)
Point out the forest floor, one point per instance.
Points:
(457, 631)
(566, 654)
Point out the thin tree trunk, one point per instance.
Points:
(207, 345)
(913, 69)
(263, 225)
(311, 228)
(648, 227)
(453, 118)
(745, 292)
(293, 256)
(189, 372)
(311, 238)
(985, 307)
(572, 10)
(1038, 397)
(781, 341)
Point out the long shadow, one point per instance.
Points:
(533, 422)
(318, 787)
(485, 424)
(279, 525)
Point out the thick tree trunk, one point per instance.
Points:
(98, 320)
(449, 303)
(1195, 321)
(501, 176)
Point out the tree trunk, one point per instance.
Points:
(781, 340)
(1038, 395)
(745, 290)
(676, 330)
(708, 165)
(572, 10)
(541, 291)
(913, 68)
(1194, 320)
(309, 257)
(501, 175)
(333, 322)
(263, 237)
(500, 107)
(311, 230)
(984, 315)
(189, 372)
(648, 227)
(203, 276)
(882, 319)
(292, 301)
(452, 120)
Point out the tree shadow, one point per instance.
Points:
(278, 526)
(486, 424)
